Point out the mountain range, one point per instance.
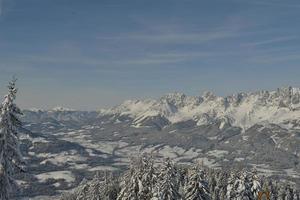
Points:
(257, 129)
(242, 110)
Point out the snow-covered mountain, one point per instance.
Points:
(58, 114)
(258, 129)
(281, 107)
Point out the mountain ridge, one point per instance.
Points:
(243, 110)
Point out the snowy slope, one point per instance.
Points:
(243, 110)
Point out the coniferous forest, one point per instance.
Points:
(167, 181)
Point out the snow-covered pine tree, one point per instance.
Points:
(111, 188)
(183, 179)
(274, 189)
(197, 187)
(212, 182)
(216, 195)
(10, 157)
(147, 177)
(129, 185)
(100, 189)
(255, 184)
(230, 189)
(81, 192)
(282, 192)
(96, 186)
(68, 196)
(242, 187)
(289, 192)
(296, 194)
(222, 181)
(239, 186)
(168, 182)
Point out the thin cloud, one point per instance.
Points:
(166, 58)
(272, 41)
(179, 34)
(176, 37)
(272, 59)
(137, 59)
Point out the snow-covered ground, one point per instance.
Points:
(56, 175)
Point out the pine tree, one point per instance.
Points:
(68, 196)
(111, 188)
(222, 184)
(80, 193)
(255, 184)
(296, 194)
(197, 187)
(212, 182)
(147, 177)
(168, 183)
(230, 188)
(242, 187)
(282, 192)
(183, 179)
(216, 195)
(129, 185)
(239, 186)
(10, 157)
(139, 181)
(289, 193)
(100, 189)
(274, 189)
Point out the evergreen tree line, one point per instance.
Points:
(145, 180)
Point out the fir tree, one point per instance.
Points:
(81, 192)
(222, 184)
(255, 184)
(212, 182)
(296, 194)
(289, 192)
(216, 195)
(129, 186)
(10, 156)
(282, 192)
(168, 183)
(95, 188)
(147, 177)
(100, 189)
(242, 187)
(230, 189)
(274, 189)
(197, 187)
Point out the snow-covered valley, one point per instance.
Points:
(259, 130)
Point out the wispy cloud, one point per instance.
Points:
(274, 59)
(176, 37)
(271, 41)
(102, 63)
(166, 33)
(142, 59)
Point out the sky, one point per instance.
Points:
(92, 54)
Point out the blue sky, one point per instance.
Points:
(96, 53)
